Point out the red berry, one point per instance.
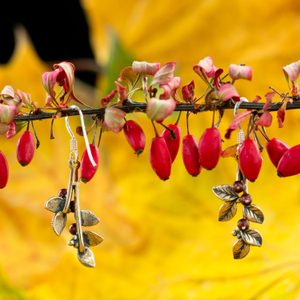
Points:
(190, 155)
(135, 136)
(3, 171)
(289, 163)
(160, 158)
(210, 148)
(87, 169)
(250, 159)
(172, 139)
(276, 149)
(25, 148)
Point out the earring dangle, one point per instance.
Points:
(235, 194)
(68, 202)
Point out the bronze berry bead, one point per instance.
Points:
(246, 199)
(73, 229)
(63, 193)
(243, 224)
(238, 186)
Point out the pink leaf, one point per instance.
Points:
(158, 110)
(265, 119)
(205, 66)
(7, 113)
(227, 91)
(240, 72)
(236, 122)
(7, 92)
(292, 71)
(216, 77)
(143, 67)
(281, 114)
(269, 97)
(11, 130)
(105, 100)
(114, 119)
(165, 74)
(256, 99)
(122, 91)
(170, 88)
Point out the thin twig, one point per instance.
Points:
(132, 106)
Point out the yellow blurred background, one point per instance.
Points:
(162, 240)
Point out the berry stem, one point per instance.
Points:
(37, 141)
(187, 122)
(178, 118)
(155, 130)
(100, 136)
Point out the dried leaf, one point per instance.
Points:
(225, 192)
(88, 218)
(229, 151)
(240, 249)
(253, 213)
(87, 258)
(227, 211)
(251, 237)
(59, 222)
(91, 238)
(55, 204)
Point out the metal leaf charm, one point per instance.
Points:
(88, 218)
(253, 213)
(87, 258)
(225, 192)
(251, 237)
(91, 238)
(59, 222)
(227, 211)
(55, 204)
(240, 249)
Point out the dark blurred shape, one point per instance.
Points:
(58, 29)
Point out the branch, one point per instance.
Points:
(132, 106)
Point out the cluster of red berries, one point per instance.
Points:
(284, 158)
(164, 148)
(25, 153)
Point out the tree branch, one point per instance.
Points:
(132, 106)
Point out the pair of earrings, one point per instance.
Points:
(68, 202)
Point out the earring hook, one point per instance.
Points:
(86, 140)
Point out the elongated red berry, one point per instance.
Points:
(276, 149)
(87, 169)
(289, 163)
(172, 139)
(3, 171)
(190, 155)
(250, 160)
(160, 158)
(135, 136)
(25, 148)
(210, 148)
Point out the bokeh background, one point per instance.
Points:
(162, 239)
